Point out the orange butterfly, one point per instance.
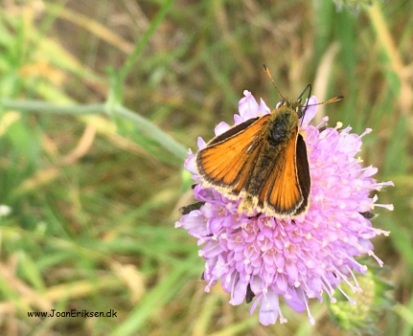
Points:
(262, 161)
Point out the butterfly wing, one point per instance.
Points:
(303, 172)
(282, 193)
(228, 160)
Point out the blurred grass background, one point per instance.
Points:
(94, 187)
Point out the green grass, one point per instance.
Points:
(99, 102)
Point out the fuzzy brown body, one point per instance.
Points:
(263, 161)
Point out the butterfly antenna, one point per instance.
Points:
(329, 101)
(307, 88)
(268, 73)
(307, 105)
(300, 98)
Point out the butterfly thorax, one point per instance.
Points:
(283, 122)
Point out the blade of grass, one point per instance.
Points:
(144, 40)
(153, 302)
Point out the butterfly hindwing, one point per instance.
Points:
(281, 193)
(303, 172)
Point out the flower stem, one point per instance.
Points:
(39, 106)
(152, 130)
(142, 124)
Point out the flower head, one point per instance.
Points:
(291, 260)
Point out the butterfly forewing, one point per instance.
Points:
(232, 131)
(228, 161)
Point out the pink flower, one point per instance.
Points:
(291, 260)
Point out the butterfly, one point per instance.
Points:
(262, 161)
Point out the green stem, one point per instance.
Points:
(153, 131)
(38, 106)
(142, 124)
